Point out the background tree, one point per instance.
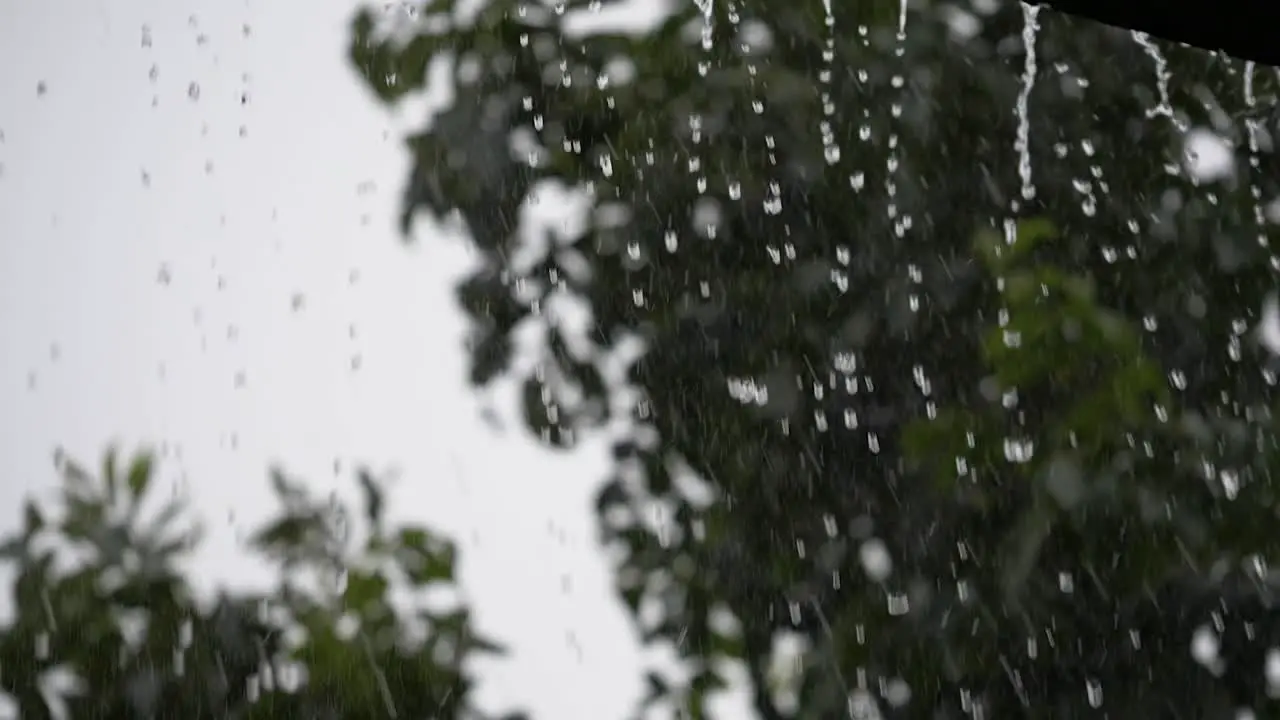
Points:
(947, 366)
(108, 626)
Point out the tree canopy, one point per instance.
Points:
(947, 361)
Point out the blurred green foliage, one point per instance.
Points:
(882, 308)
(108, 625)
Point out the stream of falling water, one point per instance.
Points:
(1251, 133)
(898, 81)
(1030, 27)
(830, 148)
(1164, 107)
(1019, 449)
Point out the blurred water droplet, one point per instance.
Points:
(899, 604)
(1205, 646)
(1019, 450)
(41, 89)
(193, 91)
(876, 560)
(1093, 688)
(1268, 331)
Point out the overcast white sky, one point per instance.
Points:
(160, 209)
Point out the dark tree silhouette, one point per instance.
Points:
(938, 288)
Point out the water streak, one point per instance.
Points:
(830, 148)
(1030, 27)
(1164, 107)
(1251, 129)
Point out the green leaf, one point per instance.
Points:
(373, 499)
(12, 549)
(425, 559)
(85, 518)
(363, 590)
(139, 475)
(109, 478)
(33, 519)
(285, 533)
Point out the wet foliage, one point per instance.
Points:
(947, 362)
(107, 624)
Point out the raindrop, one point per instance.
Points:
(1019, 450)
(897, 692)
(1205, 646)
(875, 559)
(1093, 690)
(193, 91)
(671, 240)
(1271, 669)
(1230, 480)
(1268, 331)
(899, 604)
